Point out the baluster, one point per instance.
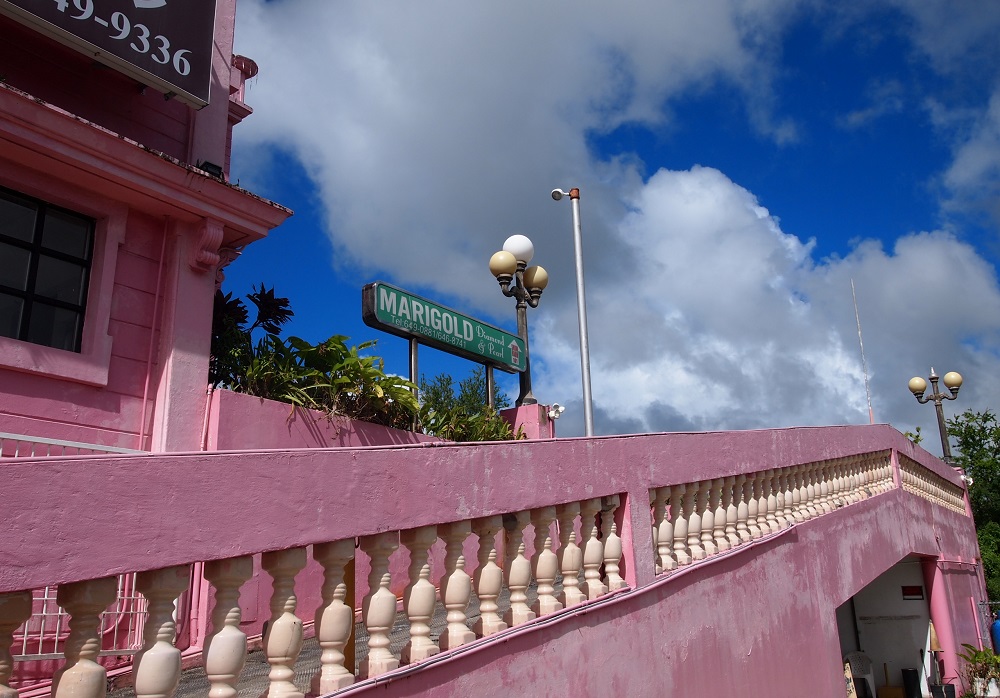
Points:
(226, 647)
(489, 576)
(800, 495)
(719, 520)
(794, 515)
(788, 476)
(517, 569)
(812, 492)
(379, 606)
(753, 505)
(730, 495)
(656, 505)
(706, 504)
(807, 509)
(546, 563)
(699, 501)
(836, 485)
(743, 492)
(782, 503)
(420, 595)
(684, 497)
(157, 668)
(81, 676)
(283, 639)
(334, 618)
(612, 543)
(456, 586)
(15, 609)
(852, 481)
(762, 502)
(665, 532)
(771, 517)
(823, 474)
(593, 548)
(570, 556)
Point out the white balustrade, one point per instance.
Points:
(334, 619)
(420, 595)
(729, 499)
(517, 568)
(546, 563)
(379, 606)
(657, 505)
(684, 497)
(283, 639)
(707, 498)
(81, 676)
(15, 609)
(157, 668)
(570, 556)
(488, 577)
(771, 515)
(456, 586)
(665, 529)
(695, 495)
(744, 490)
(593, 548)
(226, 646)
(717, 502)
(753, 505)
(612, 543)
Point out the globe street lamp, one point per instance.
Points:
(581, 307)
(952, 381)
(511, 265)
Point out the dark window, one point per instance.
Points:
(45, 254)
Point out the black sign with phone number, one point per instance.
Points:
(163, 43)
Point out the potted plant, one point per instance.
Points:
(981, 667)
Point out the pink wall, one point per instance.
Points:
(238, 421)
(85, 137)
(762, 616)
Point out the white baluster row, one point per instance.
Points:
(693, 521)
(924, 483)
(566, 554)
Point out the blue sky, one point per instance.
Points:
(739, 162)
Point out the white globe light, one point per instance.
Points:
(519, 246)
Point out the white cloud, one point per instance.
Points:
(433, 131)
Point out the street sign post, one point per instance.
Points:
(393, 310)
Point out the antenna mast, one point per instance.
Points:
(864, 363)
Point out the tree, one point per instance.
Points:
(329, 376)
(465, 415)
(977, 435)
(439, 392)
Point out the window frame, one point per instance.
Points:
(92, 363)
(32, 298)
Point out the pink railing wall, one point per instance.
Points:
(764, 608)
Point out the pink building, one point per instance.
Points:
(143, 520)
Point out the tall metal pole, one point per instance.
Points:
(581, 307)
(524, 379)
(942, 428)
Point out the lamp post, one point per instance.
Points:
(511, 265)
(952, 381)
(581, 307)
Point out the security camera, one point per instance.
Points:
(558, 194)
(556, 410)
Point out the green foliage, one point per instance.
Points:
(977, 436)
(465, 415)
(329, 376)
(914, 436)
(980, 665)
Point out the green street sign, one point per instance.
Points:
(403, 314)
